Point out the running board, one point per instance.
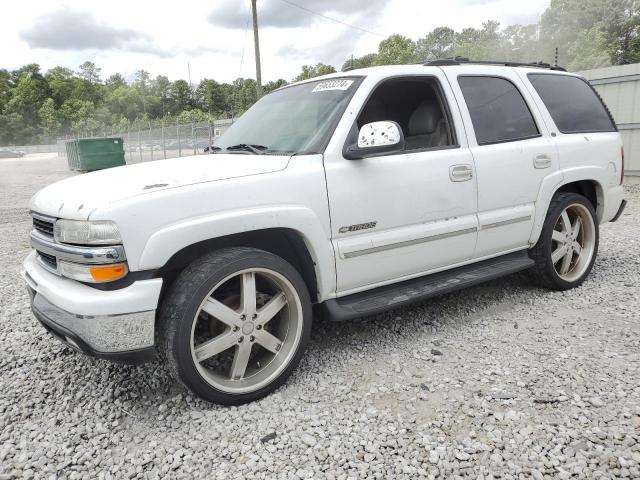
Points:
(420, 289)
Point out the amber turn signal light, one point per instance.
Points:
(108, 273)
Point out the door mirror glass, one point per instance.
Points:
(376, 138)
(379, 134)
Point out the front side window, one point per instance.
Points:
(572, 103)
(417, 106)
(300, 118)
(498, 111)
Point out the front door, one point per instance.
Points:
(398, 216)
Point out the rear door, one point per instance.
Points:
(512, 150)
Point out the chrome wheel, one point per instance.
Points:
(246, 330)
(573, 242)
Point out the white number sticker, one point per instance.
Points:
(332, 85)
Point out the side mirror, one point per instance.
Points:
(376, 138)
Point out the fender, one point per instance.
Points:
(164, 243)
(553, 182)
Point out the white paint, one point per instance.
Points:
(426, 219)
(80, 299)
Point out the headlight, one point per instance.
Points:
(86, 233)
(93, 273)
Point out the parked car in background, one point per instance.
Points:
(10, 153)
(358, 191)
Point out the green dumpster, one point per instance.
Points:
(89, 154)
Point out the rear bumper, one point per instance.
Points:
(613, 200)
(117, 325)
(623, 204)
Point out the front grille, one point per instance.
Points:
(48, 259)
(43, 226)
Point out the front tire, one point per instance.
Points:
(568, 244)
(234, 324)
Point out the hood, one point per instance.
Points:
(76, 197)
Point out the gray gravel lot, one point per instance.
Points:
(504, 380)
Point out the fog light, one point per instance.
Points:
(93, 273)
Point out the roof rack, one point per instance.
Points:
(464, 60)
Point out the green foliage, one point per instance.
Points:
(273, 85)
(37, 108)
(368, 60)
(439, 43)
(396, 50)
(49, 118)
(310, 71)
(89, 72)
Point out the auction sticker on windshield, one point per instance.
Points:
(332, 85)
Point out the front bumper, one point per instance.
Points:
(117, 325)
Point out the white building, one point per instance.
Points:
(619, 87)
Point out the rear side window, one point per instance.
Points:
(572, 103)
(497, 109)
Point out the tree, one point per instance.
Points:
(368, 60)
(89, 72)
(439, 43)
(623, 33)
(114, 81)
(160, 88)
(5, 88)
(80, 115)
(310, 71)
(179, 96)
(273, 85)
(124, 102)
(49, 119)
(26, 98)
(211, 97)
(244, 95)
(31, 70)
(589, 50)
(61, 84)
(396, 50)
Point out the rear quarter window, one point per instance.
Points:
(573, 104)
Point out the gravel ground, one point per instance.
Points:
(504, 380)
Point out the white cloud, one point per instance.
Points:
(125, 36)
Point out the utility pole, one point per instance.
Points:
(256, 46)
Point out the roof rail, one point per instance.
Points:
(464, 60)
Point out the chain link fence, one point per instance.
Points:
(168, 141)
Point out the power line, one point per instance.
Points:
(331, 18)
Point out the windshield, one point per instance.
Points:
(299, 118)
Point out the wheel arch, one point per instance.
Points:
(583, 183)
(590, 189)
(286, 243)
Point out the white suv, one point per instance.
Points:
(358, 191)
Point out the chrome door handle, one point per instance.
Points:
(460, 173)
(542, 160)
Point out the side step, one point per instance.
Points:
(422, 288)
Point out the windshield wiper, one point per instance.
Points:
(257, 149)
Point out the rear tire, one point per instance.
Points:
(234, 324)
(568, 244)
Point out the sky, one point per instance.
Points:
(214, 39)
